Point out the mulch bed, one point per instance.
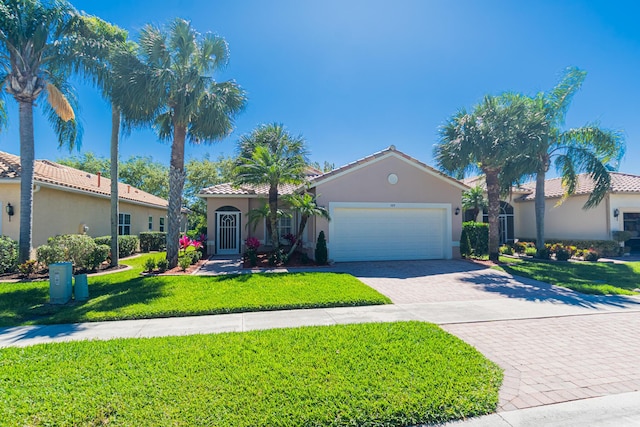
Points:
(294, 261)
(44, 274)
(177, 271)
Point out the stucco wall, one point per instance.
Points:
(567, 221)
(625, 203)
(214, 203)
(58, 212)
(370, 184)
(10, 193)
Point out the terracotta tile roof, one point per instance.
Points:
(620, 183)
(227, 189)
(390, 149)
(49, 172)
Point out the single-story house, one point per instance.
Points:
(386, 206)
(619, 210)
(71, 201)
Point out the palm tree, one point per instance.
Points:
(586, 149)
(271, 156)
(105, 44)
(473, 200)
(305, 205)
(37, 57)
(487, 139)
(173, 82)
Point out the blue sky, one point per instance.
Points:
(355, 76)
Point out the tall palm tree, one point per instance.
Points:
(105, 46)
(271, 156)
(487, 139)
(37, 57)
(473, 200)
(305, 205)
(586, 149)
(173, 81)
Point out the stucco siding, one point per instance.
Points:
(58, 212)
(566, 221)
(10, 193)
(625, 203)
(370, 184)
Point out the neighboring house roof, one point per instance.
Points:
(315, 177)
(620, 183)
(64, 177)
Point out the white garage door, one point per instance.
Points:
(389, 233)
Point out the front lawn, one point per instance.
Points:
(382, 374)
(587, 277)
(127, 295)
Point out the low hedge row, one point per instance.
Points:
(153, 241)
(127, 245)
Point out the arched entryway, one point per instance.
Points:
(505, 222)
(227, 230)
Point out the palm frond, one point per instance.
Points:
(559, 99)
(59, 103)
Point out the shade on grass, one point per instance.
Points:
(127, 295)
(600, 278)
(383, 374)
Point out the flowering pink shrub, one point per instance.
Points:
(291, 238)
(252, 243)
(185, 242)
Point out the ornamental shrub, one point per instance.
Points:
(162, 264)
(543, 253)
(28, 267)
(184, 262)
(76, 248)
(149, 265)
(474, 240)
(506, 250)
(8, 255)
(321, 250)
(153, 241)
(562, 253)
(127, 245)
(99, 255)
(531, 252)
(591, 255)
(605, 248)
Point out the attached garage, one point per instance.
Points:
(389, 231)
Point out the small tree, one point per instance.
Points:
(321, 250)
(306, 206)
(473, 200)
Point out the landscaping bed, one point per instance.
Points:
(297, 259)
(382, 374)
(128, 295)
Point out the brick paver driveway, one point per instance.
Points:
(547, 359)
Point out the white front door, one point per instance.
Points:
(227, 233)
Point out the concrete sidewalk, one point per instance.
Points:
(441, 313)
(620, 410)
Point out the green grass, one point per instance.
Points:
(127, 295)
(380, 374)
(587, 277)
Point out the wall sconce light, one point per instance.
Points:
(10, 211)
(457, 212)
(616, 213)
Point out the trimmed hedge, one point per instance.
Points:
(127, 245)
(474, 240)
(153, 241)
(8, 254)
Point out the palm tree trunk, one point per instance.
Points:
(176, 184)
(539, 207)
(273, 217)
(493, 194)
(27, 155)
(303, 224)
(115, 131)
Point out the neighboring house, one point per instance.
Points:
(566, 219)
(386, 206)
(70, 201)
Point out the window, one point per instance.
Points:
(124, 224)
(161, 223)
(150, 223)
(285, 226)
